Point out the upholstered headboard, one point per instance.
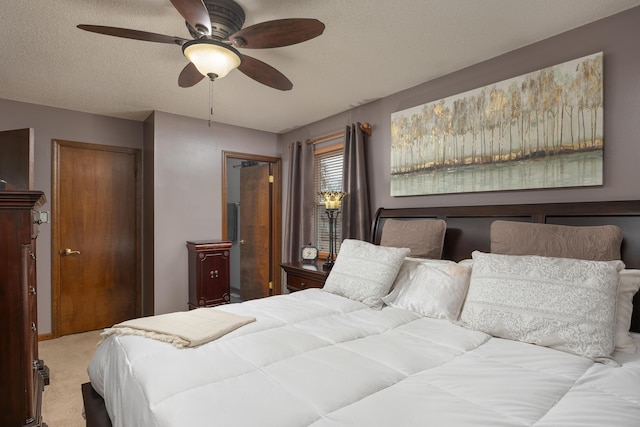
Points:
(468, 227)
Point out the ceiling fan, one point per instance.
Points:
(216, 28)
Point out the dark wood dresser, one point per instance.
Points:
(22, 375)
(304, 275)
(209, 276)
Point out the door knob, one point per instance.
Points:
(69, 251)
(242, 242)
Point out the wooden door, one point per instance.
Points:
(96, 236)
(255, 231)
(16, 158)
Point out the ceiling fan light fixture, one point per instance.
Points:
(211, 57)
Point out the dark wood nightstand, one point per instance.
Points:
(304, 275)
(208, 273)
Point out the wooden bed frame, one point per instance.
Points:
(468, 229)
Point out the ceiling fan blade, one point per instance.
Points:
(277, 33)
(132, 34)
(195, 13)
(264, 73)
(189, 76)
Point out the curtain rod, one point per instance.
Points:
(364, 127)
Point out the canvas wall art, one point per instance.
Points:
(543, 129)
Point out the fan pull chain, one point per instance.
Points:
(210, 101)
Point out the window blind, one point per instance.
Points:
(327, 177)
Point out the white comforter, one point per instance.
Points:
(313, 358)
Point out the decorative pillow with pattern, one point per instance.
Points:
(431, 288)
(561, 303)
(364, 272)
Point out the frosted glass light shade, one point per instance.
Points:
(211, 57)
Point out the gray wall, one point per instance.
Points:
(187, 168)
(55, 123)
(616, 37)
(182, 177)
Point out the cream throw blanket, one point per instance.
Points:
(183, 328)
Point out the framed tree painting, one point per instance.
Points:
(543, 129)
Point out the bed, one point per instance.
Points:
(348, 356)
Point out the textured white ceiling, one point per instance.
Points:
(370, 49)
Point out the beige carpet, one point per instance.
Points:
(67, 358)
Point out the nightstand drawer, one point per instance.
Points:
(302, 276)
(299, 283)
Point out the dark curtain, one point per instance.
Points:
(356, 215)
(301, 202)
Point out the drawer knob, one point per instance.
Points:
(213, 274)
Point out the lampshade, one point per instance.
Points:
(211, 57)
(332, 199)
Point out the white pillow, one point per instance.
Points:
(364, 272)
(431, 288)
(629, 285)
(561, 303)
(627, 288)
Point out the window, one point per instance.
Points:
(327, 177)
